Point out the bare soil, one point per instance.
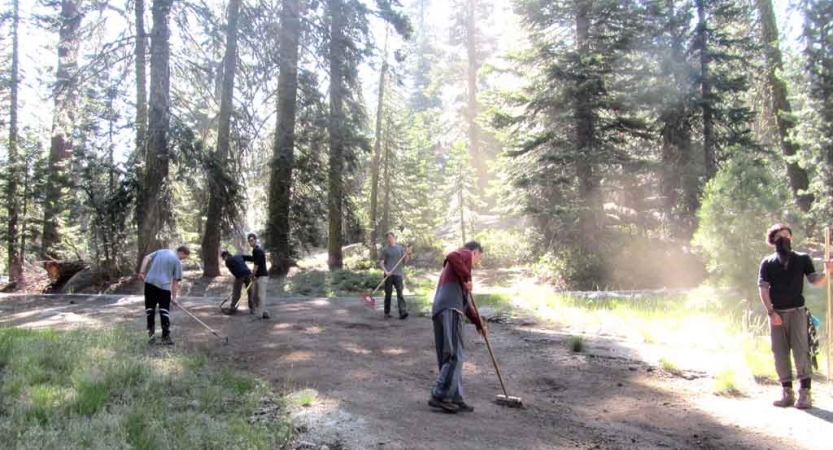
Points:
(371, 378)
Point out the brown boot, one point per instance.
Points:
(805, 399)
(787, 399)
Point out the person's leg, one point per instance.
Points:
(447, 387)
(150, 308)
(235, 292)
(262, 283)
(251, 296)
(164, 314)
(800, 345)
(783, 365)
(400, 300)
(388, 292)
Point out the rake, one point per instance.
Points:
(212, 330)
(501, 399)
(242, 294)
(368, 298)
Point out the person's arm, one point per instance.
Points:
(460, 263)
(143, 268)
(763, 293)
(382, 262)
(815, 278)
(248, 258)
(174, 291)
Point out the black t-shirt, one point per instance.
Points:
(785, 281)
(259, 258)
(237, 266)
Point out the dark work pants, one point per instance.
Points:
(155, 296)
(448, 342)
(390, 283)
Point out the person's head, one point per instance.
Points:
(390, 237)
(476, 251)
(780, 236)
(182, 252)
(252, 238)
(225, 255)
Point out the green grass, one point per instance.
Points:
(106, 389)
(575, 344)
(726, 383)
(668, 365)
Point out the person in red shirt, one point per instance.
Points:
(450, 305)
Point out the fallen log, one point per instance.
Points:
(61, 271)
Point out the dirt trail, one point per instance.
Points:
(372, 378)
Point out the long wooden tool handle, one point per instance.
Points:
(829, 312)
(198, 320)
(391, 272)
(489, 345)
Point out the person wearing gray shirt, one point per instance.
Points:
(162, 271)
(391, 255)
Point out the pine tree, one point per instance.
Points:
(818, 15)
(154, 194)
(218, 203)
(13, 167)
(60, 153)
(281, 178)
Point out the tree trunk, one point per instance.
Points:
(585, 133)
(335, 194)
(140, 53)
(60, 271)
(710, 160)
(386, 225)
(280, 180)
(13, 173)
(216, 202)
(460, 199)
(472, 109)
(60, 152)
(679, 183)
(377, 149)
(781, 108)
(154, 193)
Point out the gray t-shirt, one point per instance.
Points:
(391, 255)
(164, 268)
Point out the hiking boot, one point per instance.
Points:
(805, 399)
(152, 339)
(787, 399)
(229, 311)
(166, 340)
(464, 407)
(265, 315)
(448, 407)
(388, 316)
(403, 316)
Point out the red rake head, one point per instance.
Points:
(368, 300)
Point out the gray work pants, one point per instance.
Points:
(791, 336)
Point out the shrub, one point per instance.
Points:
(308, 282)
(356, 263)
(347, 281)
(505, 248)
(738, 204)
(570, 268)
(575, 344)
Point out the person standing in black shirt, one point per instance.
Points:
(781, 287)
(242, 276)
(258, 257)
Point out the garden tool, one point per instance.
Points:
(501, 399)
(368, 298)
(213, 331)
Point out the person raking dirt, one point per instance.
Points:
(450, 304)
(162, 271)
(392, 258)
(781, 285)
(242, 281)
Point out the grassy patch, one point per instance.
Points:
(105, 389)
(575, 344)
(668, 365)
(726, 383)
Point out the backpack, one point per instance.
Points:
(813, 337)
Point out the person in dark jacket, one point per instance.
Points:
(242, 276)
(450, 305)
(258, 257)
(781, 288)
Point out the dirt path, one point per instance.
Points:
(372, 379)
